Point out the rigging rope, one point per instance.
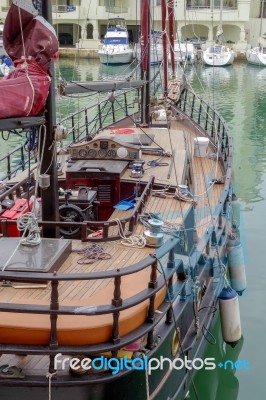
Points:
(49, 376)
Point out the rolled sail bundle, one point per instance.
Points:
(31, 42)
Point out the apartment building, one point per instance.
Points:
(82, 23)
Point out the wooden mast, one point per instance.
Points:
(50, 204)
(170, 8)
(165, 60)
(145, 61)
(261, 17)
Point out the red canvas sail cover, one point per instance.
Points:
(31, 42)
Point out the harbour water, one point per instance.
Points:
(238, 92)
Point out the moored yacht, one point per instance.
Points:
(218, 55)
(116, 48)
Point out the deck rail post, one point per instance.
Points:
(192, 106)
(213, 238)
(8, 166)
(126, 105)
(207, 118)
(200, 108)
(22, 158)
(116, 301)
(171, 258)
(86, 122)
(73, 128)
(54, 306)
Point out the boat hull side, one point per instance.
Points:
(217, 60)
(255, 57)
(115, 57)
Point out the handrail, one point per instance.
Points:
(116, 304)
(131, 220)
(106, 113)
(191, 106)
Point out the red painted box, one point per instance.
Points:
(21, 206)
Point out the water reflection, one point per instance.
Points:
(215, 76)
(218, 384)
(238, 93)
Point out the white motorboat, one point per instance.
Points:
(116, 48)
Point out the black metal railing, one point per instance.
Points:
(203, 4)
(85, 122)
(211, 123)
(10, 167)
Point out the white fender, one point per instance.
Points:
(236, 265)
(230, 316)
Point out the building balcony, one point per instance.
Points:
(105, 12)
(116, 9)
(63, 8)
(68, 12)
(208, 4)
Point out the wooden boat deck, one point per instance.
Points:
(169, 209)
(203, 170)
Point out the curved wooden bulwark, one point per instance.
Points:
(76, 330)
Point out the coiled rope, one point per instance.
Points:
(131, 241)
(29, 222)
(92, 253)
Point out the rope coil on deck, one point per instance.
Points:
(92, 253)
(132, 241)
(28, 222)
(178, 195)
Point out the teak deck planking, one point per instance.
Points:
(123, 256)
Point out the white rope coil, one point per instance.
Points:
(28, 222)
(131, 241)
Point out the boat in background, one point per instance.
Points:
(6, 64)
(219, 55)
(155, 48)
(185, 52)
(116, 48)
(257, 55)
(110, 291)
(2, 50)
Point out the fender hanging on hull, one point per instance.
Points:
(236, 265)
(230, 316)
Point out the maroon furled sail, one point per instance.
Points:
(165, 61)
(144, 34)
(31, 42)
(170, 8)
